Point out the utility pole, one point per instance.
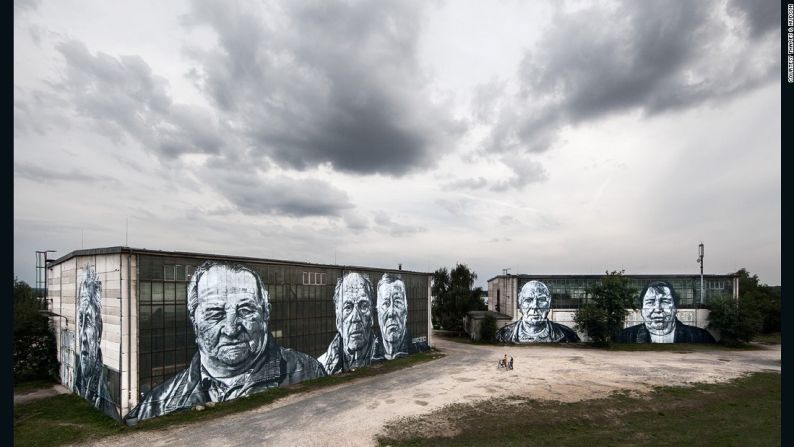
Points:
(700, 260)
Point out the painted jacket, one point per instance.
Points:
(557, 333)
(275, 367)
(683, 334)
(407, 347)
(334, 359)
(95, 388)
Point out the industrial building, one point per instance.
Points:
(126, 316)
(568, 292)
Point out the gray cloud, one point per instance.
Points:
(355, 222)
(466, 183)
(45, 175)
(654, 56)
(525, 172)
(23, 6)
(122, 97)
(760, 16)
(324, 83)
(388, 225)
(272, 194)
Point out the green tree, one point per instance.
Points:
(454, 296)
(766, 300)
(736, 322)
(604, 313)
(35, 354)
(756, 311)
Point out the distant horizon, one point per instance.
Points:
(481, 280)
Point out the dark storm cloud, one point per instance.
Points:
(122, 97)
(271, 194)
(761, 16)
(651, 56)
(324, 83)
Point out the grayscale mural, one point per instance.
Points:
(229, 309)
(534, 303)
(393, 318)
(660, 324)
(355, 344)
(90, 376)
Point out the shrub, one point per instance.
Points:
(736, 322)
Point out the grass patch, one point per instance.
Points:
(60, 419)
(772, 339)
(745, 411)
(64, 419)
(33, 385)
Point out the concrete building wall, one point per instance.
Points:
(65, 282)
(567, 292)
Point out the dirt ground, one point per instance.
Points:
(27, 396)
(353, 414)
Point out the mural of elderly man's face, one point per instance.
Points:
(90, 329)
(392, 311)
(354, 313)
(658, 310)
(535, 302)
(230, 320)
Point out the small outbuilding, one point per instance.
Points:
(472, 323)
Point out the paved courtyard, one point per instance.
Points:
(352, 414)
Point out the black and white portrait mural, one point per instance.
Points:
(355, 344)
(660, 323)
(90, 377)
(229, 309)
(534, 303)
(393, 317)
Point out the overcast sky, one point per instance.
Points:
(546, 137)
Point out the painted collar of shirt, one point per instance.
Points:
(266, 368)
(667, 338)
(524, 335)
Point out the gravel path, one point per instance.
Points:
(352, 414)
(21, 398)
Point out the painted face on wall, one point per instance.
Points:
(90, 331)
(534, 301)
(392, 311)
(658, 310)
(354, 313)
(230, 320)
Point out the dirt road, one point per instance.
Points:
(352, 414)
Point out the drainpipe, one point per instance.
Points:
(129, 330)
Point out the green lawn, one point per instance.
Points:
(67, 418)
(743, 412)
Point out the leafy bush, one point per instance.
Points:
(736, 322)
(604, 313)
(35, 353)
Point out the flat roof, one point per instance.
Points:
(638, 276)
(145, 251)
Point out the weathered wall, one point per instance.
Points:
(215, 330)
(86, 295)
(664, 313)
